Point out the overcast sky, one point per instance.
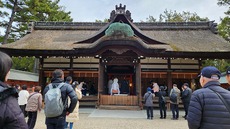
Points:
(90, 10)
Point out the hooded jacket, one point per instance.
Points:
(11, 116)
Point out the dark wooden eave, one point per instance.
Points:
(79, 52)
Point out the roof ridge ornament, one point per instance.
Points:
(120, 10)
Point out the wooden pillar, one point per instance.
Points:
(41, 77)
(71, 67)
(138, 82)
(101, 77)
(169, 80)
(100, 80)
(200, 64)
(169, 75)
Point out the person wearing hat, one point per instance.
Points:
(228, 76)
(148, 99)
(185, 97)
(207, 109)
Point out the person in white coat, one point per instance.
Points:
(115, 87)
(74, 116)
(22, 99)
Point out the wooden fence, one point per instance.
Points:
(119, 100)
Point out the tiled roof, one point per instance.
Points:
(22, 75)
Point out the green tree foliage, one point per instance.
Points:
(4, 5)
(40, 10)
(24, 12)
(225, 3)
(224, 31)
(23, 63)
(221, 64)
(3, 14)
(173, 16)
(224, 28)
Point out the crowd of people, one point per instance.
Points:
(205, 108)
(18, 103)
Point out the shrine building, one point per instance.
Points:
(139, 52)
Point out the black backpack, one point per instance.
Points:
(173, 96)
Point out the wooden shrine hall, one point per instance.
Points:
(139, 52)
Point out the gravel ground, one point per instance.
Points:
(87, 122)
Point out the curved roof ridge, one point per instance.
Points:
(121, 18)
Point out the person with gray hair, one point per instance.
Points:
(209, 106)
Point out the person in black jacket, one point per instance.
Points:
(66, 91)
(11, 116)
(185, 97)
(162, 101)
(206, 109)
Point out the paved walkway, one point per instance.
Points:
(120, 119)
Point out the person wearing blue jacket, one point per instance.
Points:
(207, 110)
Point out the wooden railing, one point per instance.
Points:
(119, 100)
(88, 101)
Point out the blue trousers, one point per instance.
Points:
(70, 125)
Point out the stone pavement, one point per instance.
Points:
(91, 118)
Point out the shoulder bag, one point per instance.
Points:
(222, 99)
